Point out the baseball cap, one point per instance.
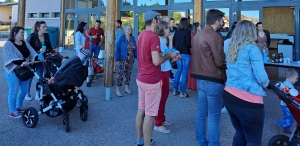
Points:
(149, 15)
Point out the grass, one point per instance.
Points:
(4, 27)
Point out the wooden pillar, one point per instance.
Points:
(21, 13)
(109, 45)
(198, 8)
(62, 24)
(117, 10)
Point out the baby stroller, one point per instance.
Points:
(60, 96)
(94, 70)
(294, 107)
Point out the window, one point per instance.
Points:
(127, 2)
(87, 3)
(127, 18)
(182, 1)
(70, 4)
(69, 31)
(56, 15)
(249, 0)
(32, 15)
(152, 2)
(249, 15)
(45, 15)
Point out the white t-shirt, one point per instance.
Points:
(291, 86)
(166, 66)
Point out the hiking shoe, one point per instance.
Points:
(175, 93)
(184, 95)
(152, 141)
(28, 97)
(21, 110)
(15, 115)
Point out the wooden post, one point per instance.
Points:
(62, 24)
(21, 13)
(117, 10)
(109, 45)
(198, 11)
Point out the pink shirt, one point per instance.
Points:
(246, 96)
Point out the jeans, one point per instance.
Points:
(209, 106)
(182, 70)
(94, 50)
(287, 119)
(248, 124)
(13, 86)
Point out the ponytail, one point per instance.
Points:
(38, 25)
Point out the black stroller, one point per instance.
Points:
(294, 107)
(60, 96)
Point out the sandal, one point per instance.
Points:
(119, 94)
(167, 123)
(175, 92)
(162, 129)
(128, 92)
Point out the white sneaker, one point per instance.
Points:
(37, 95)
(28, 97)
(224, 110)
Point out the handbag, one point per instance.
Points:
(23, 73)
(174, 65)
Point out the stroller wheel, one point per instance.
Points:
(78, 103)
(83, 113)
(30, 117)
(279, 140)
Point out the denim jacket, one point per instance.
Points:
(248, 73)
(122, 48)
(79, 39)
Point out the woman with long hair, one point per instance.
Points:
(182, 42)
(125, 53)
(244, 90)
(82, 43)
(192, 84)
(16, 54)
(40, 40)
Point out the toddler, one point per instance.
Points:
(287, 118)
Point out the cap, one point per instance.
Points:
(149, 15)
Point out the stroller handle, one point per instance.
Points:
(283, 95)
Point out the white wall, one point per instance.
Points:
(14, 14)
(39, 7)
(5, 12)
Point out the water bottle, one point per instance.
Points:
(265, 53)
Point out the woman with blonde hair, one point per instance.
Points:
(244, 90)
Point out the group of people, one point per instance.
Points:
(230, 74)
(17, 53)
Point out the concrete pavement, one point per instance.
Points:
(112, 123)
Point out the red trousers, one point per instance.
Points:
(160, 118)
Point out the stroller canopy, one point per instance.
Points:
(71, 73)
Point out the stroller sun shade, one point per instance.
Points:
(71, 73)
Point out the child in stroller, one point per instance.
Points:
(287, 118)
(62, 95)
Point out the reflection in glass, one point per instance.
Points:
(141, 24)
(249, 15)
(92, 20)
(69, 31)
(226, 19)
(127, 2)
(103, 20)
(182, 1)
(177, 16)
(103, 3)
(87, 3)
(127, 17)
(152, 2)
(70, 4)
